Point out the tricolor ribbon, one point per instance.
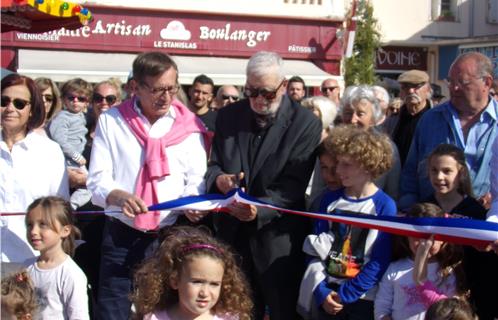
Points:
(456, 230)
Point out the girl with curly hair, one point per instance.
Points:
(18, 297)
(424, 272)
(341, 283)
(191, 276)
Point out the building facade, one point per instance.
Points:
(211, 37)
(429, 34)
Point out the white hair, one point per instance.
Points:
(327, 107)
(382, 92)
(263, 62)
(354, 94)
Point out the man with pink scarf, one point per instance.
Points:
(148, 150)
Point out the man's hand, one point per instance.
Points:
(332, 304)
(195, 215)
(242, 211)
(130, 204)
(227, 182)
(77, 177)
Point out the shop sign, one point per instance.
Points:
(115, 31)
(401, 58)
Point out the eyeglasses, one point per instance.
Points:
(267, 94)
(460, 82)
(326, 89)
(160, 91)
(226, 97)
(18, 103)
(414, 86)
(78, 98)
(98, 98)
(48, 97)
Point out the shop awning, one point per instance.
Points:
(94, 67)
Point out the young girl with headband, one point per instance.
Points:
(191, 276)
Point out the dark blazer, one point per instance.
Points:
(279, 175)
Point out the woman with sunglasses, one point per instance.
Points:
(106, 94)
(51, 97)
(68, 129)
(31, 165)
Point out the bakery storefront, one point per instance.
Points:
(216, 45)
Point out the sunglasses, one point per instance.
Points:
(78, 98)
(48, 97)
(18, 103)
(326, 89)
(110, 99)
(226, 97)
(267, 94)
(415, 86)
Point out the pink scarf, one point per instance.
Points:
(156, 161)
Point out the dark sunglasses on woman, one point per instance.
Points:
(98, 98)
(18, 103)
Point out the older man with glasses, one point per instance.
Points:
(147, 150)
(330, 89)
(265, 144)
(225, 95)
(416, 95)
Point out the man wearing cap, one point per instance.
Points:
(437, 95)
(415, 93)
(468, 120)
(330, 89)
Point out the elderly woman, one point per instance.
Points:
(31, 165)
(360, 107)
(51, 97)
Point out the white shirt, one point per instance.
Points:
(493, 212)
(117, 157)
(32, 169)
(61, 291)
(398, 296)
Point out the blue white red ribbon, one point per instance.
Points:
(456, 230)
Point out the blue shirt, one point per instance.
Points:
(442, 125)
(376, 246)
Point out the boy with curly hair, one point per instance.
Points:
(350, 261)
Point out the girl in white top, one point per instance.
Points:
(60, 284)
(425, 272)
(191, 276)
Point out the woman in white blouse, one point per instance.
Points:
(31, 165)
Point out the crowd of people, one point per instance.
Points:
(68, 153)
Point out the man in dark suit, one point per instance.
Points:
(266, 144)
